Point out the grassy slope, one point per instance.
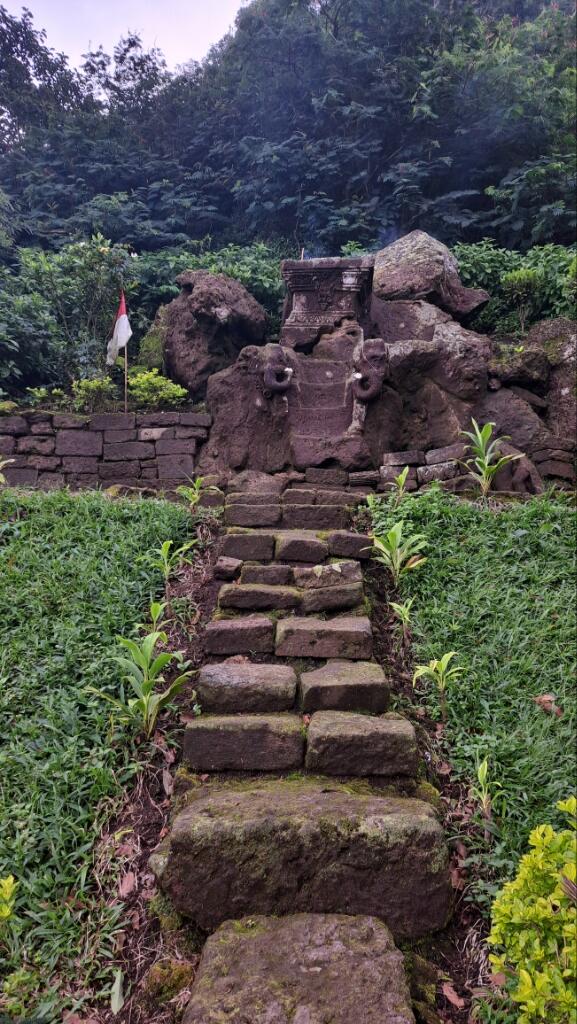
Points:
(499, 588)
(70, 580)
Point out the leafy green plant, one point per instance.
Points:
(438, 670)
(156, 611)
(8, 887)
(143, 671)
(403, 616)
(166, 560)
(93, 394)
(192, 492)
(399, 554)
(486, 461)
(36, 396)
(400, 484)
(523, 289)
(534, 925)
(151, 391)
(487, 793)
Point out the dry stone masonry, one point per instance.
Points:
(311, 847)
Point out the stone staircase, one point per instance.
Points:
(289, 686)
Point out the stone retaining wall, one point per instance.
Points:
(143, 449)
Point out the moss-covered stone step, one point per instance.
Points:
(300, 546)
(343, 637)
(274, 574)
(335, 598)
(345, 686)
(252, 515)
(258, 596)
(302, 968)
(332, 574)
(282, 847)
(346, 743)
(238, 685)
(315, 517)
(249, 546)
(220, 743)
(251, 634)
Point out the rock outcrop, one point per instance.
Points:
(207, 325)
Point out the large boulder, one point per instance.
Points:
(282, 847)
(558, 340)
(301, 969)
(207, 325)
(417, 266)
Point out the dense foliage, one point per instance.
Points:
(534, 925)
(316, 121)
(72, 579)
(498, 589)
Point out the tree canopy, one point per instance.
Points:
(315, 121)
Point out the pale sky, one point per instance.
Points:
(182, 29)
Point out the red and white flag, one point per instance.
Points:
(121, 334)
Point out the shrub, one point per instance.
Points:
(534, 924)
(487, 459)
(523, 289)
(150, 390)
(93, 394)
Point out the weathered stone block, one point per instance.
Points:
(271, 574)
(227, 568)
(366, 478)
(119, 436)
(314, 475)
(78, 442)
(315, 517)
(199, 433)
(13, 425)
(388, 474)
(556, 468)
(238, 685)
(113, 421)
(252, 515)
(72, 464)
(344, 743)
(172, 446)
(155, 433)
(257, 596)
(250, 635)
(48, 463)
(300, 547)
(410, 458)
(544, 455)
(36, 445)
(249, 547)
(333, 574)
(195, 419)
(7, 443)
(18, 476)
(249, 498)
(299, 496)
(158, 419)
(175, 467)
(128, 450)
(449, 453)
(345, 686)
(345, 544)
(118, 470)
(344, 637)
(233, 852)
(51, 481)
(82, 481)
(69, 421)
(219, 743)
(42, 427)
(440, 471)
(248, 966)
(325, 599)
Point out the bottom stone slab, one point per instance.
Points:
(302, 969)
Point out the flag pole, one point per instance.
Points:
(126, 378)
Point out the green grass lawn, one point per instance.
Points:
(499, 589)
(70, 581)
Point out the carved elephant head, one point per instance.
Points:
(370, 362)
(277, 371)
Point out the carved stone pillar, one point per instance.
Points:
(321, 294)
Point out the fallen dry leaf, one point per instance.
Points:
(548, 703)
(167, 781)
(444, 768)
(452, 997)
(127, 884)
(498, 980)
(457, 880)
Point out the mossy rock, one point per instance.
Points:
(166, 979)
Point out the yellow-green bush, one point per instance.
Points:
(151, 391)
(7, 897)
(534, 925)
